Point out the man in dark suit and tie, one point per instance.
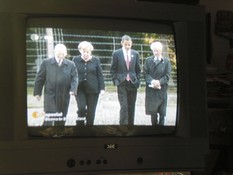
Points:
(125, 70)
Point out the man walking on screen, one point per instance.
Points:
(59, 78)
(125, 70)
(157, 72)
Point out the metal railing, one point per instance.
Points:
(104, 44)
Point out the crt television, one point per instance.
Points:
(28, 34)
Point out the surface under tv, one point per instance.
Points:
(108, 147)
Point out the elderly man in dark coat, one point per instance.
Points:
(157, 71)
(59, 78)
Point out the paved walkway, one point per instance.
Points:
(107, 112)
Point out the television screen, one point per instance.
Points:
(96, 108)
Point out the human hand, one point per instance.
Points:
(102, 92)
(157, 87)
(71, 93)
(38, 97)
(155, 84)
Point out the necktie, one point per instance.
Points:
(59, 62)
(156, 61)
(127, 64)
(127, 60)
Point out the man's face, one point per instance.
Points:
(157, 52)
(126, 44)
(60, 52)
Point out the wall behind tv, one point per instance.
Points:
(220, 45)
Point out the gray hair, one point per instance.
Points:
(85, 45)
(157, 45)
(60, 47)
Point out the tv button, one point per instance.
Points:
(70, 163)
(140, 160)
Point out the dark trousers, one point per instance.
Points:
(127, 94)
(87, 106)
(155, 121)
(160, 114)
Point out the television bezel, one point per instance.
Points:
(122, 25)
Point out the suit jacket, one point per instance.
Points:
(90, 75)
(119, 69)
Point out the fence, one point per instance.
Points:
(40, 42)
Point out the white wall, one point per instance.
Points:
(220, 45)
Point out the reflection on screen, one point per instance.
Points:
(40, 46)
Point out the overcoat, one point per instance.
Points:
(161, 72)
(57, 81)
